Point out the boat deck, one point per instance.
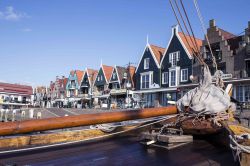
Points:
(123, 151)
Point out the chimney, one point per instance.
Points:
(247, 33)
(175, 29)
(211, 23)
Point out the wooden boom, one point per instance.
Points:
(10, 128)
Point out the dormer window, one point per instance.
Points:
(174, 57)
(146, 63)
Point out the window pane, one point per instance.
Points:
(147, 78)
(172, 77)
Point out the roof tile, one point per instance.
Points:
(190, 40)
(158, 52)
(107, 71)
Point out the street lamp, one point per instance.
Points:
(128, 86)
(90, 89)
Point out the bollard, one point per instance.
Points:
(6, 115)
(39, 115)
(23, 115)
(13, 115)
(31, 113)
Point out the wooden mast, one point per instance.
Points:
(10, 128)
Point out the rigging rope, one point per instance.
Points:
(198, 49)
(199, 59)
(204, 32)
(176, 4)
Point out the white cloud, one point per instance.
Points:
(26, 30)
(10, 14)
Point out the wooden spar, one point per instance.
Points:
(10, 128)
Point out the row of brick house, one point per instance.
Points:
(162, 74)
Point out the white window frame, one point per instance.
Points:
(174, 56)
(146, 63)
(182, 72)
(177, 76)
(165, 78)
(114, 75)
(170, 78)
(150, 73)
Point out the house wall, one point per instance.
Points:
(100, 82)
(72, 77)
(152, 67)
(185, 61)
(116, 76)
(242, 54)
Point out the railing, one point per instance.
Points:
(84, 85)
(117, 90)
(99, 93)
(83, 95)
(72, 86)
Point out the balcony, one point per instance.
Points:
(72, 86)
(84, 85)
(83, 96)
(100, 93)
(118, 91)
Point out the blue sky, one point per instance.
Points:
(40, 39)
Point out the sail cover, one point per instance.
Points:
(207, 97)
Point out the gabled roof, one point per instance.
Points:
(234, 42)
(107, 70)
(190, 40)
(182, 38)
(79, 75)
(120, 72)
(226, 35)
(132, 73)
(65, 82)
(91, 74)
(157, 52)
